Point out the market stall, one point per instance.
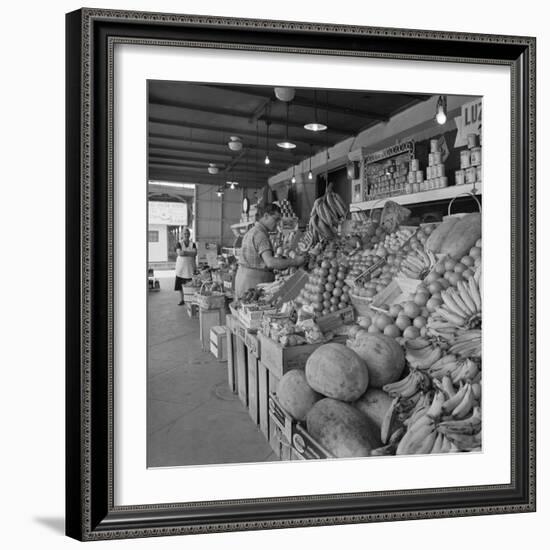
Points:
(374, 347)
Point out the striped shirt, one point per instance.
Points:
(255, 243)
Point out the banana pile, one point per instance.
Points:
(436, 407)
(458, 318)
(327, 212)
(418, 263)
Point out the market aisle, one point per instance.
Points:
(192, 416)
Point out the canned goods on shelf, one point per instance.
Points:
(419, 176)
(429, 172)
(408, 188)
(443, 182)
(437, 157)
(478, 173)
(460, 177)
(430, 159)
(439, 170)
(434, 145)
(475, 156)
(471, 175)
(416, 187)
(414, 165)
(465, 159)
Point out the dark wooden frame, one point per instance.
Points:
(91, 514)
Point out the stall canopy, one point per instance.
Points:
(190, 126)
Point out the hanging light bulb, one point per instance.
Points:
(310, 173)
(293, 179)
(315, 126)
(286, 144)
(219, 192)
(267, 125)
(441, 110)
(232, 185)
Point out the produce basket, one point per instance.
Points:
(251, 317)
(207, 298)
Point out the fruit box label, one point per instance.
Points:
(280, 417)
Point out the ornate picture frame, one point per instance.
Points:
(90, 510)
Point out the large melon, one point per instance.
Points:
(340, 428)
(383, 356)
(437, 236)
(336, 371)
(374, 404)
(295, 395)
(462, 236)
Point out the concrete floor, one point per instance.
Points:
(192, 415)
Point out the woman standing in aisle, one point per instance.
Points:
(185, 263)
(256, 259)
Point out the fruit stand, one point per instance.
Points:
(375, 348)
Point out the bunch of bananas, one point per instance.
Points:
(467, 344)
(421, 353)
(418, 263)
(461, 306)
(451, 423)
(435, 408)
(327, 212)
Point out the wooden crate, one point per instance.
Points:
(218, 344)
(231, 361)
(252, 372)
(334, 320)
(305, 446)
(263, 399)
(192, 310)
(241, 364)
(280, 360)
(208, 318)
(280, 417)
(273, 429)
(253, 344)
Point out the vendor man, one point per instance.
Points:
(256, 259)
(185, 263)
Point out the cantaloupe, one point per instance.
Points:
(383, 356)
(436, 238)
(295, 395)
(334, 370)
(463, 235)
(374, 404)
(340, 428)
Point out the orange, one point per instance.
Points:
(383, 320)
(402, 322)
(411, 332)
(411, 310)
(393, 331)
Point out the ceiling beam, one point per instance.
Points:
(302, 150)
(303, 102)
(183, 176)
(220, 162)
(193, 168)
(222, 156)
(240, 132)
(249, 117)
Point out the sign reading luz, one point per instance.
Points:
(168, 213)
(469, 122)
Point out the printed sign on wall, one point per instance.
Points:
(469, 122)
(167, 213)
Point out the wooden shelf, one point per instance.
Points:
(417, 198)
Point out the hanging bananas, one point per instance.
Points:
(327, 212)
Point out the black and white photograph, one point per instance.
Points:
(314, 273)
